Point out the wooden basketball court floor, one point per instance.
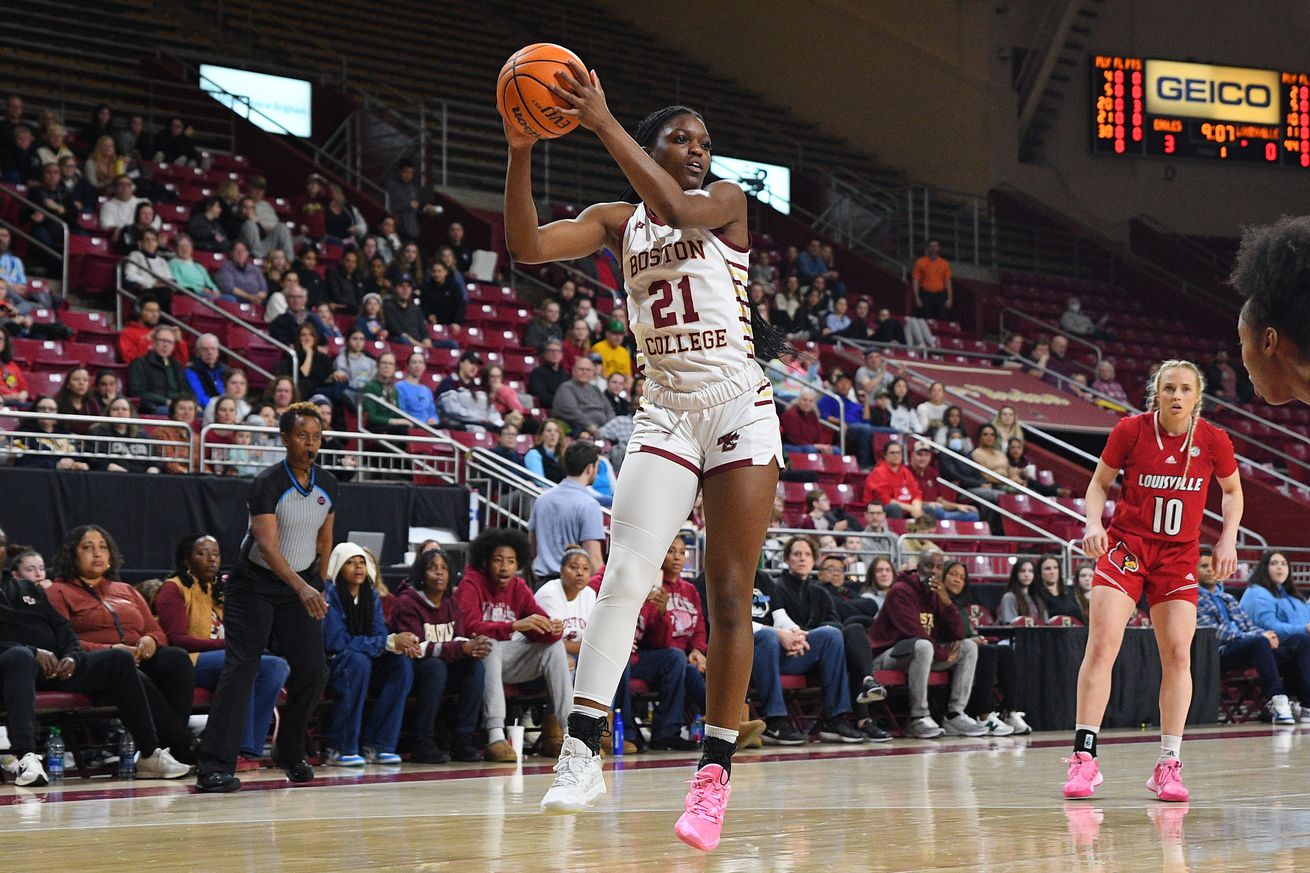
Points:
(953, 805)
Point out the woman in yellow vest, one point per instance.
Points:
(190, 609)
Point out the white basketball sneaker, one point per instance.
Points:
(578, 780)
(995, 726)
(1016, 721)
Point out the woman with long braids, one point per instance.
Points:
(190, 610)
(707, 416)
(1167, 455)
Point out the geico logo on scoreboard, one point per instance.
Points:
(1205, 91)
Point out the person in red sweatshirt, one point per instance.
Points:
(919, 630)
(493, 601)
(802, 431)
(446, 656)
(893, 485)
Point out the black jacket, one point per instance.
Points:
(345, 290)
(543, 382)
(805, 601)
(27, 619)
(155, 380)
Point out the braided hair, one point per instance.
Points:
(182, 567)
(1153, 401)
(768, 341)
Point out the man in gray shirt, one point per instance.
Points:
(579, 403)
(568, 514)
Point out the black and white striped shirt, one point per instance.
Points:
(300, 513)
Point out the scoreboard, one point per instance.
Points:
(1176, 109)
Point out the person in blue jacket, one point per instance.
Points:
(362, 655)
(1274, 601)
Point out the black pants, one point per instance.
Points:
(431, 676)
(256, 605)
(934, 305)
(859, 663)
(169, 680)
(1254, 652)
(108, 674)
(997, 669)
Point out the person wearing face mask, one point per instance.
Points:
(1077, 322)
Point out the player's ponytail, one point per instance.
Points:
(1153, 401)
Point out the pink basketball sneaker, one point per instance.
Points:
(707, 801)
(1084, 775)
(1167, 781)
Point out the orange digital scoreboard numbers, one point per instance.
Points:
(1175, 109)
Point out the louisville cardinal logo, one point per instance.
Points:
(1120, 557)
(728, 441)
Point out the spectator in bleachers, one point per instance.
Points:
(308, 206)
(146, 270)
(504, 399)
(443, 300)
(446, 255)
(206, 226)
(313, 371)
(446, 656)
(546, 457)
(402, 317)
(1107, 384)
(495, 601)
(107, 387)
(820, 514)
(1024, 471)
(363, 656)
(1076, 322)
(1225, 381)
(1083, 580)
(904, 418)
(190, 610)
(49, 196)
(414, 392)
(934, 294)
(135, 139)
(810, 263)
(785, 303)
(578, 402)
(872, 375)
(372, 321)
(879, 580)
(546, 326)
(260, 240)
(119, 441)
(375, 280)
(106, 613)
(306, 267)
(568, 599)
(157, 377)
(918, 630)
(27, 564)
(80, 196)
(103, 165)
(179, 459)
(119, 210)
(12, 271)
(1057, 363)
(614, 354)
(952, 419)
(22, 163)
(276, 268)
(1019, 601)
(549, 375)
(286, 327)
(507, 445)
(935, 503)
(377, 417)
(217, 459)
(53, 148)
(455, 242)
(1054, 594)
(932, 412)
(859, 328)
(403, 200)
(888, 329)
(50, 447)
(239, 279)
(345, 284)
(845, 595)
(13, 383)
(100, 124)
(1244, 644)
(265, 214)
(186, 273)
(15, 312)
(856, 414)
(13, 117)
(802, 430)
(987, 453)
(1011, 349)
(997, 665)
(173, 145)
(1274, 601)
(234, 385)
(281, 393)
(389, 242)
(206, 374)
(462, 397)
(406, 262)
(807, 321)
(838, 320)
(577, 343)
(1007, 424)
(562, 515)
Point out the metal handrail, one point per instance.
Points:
(819, 388)
(1246, 413)
(1055, 330)
(63, 256)
(79, 440)
(352, 460)
(177, 322)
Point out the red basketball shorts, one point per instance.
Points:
(1166, 569)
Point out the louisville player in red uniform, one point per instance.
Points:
(1167, 455)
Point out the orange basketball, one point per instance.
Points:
(522, 97)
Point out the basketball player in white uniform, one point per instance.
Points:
(706, 421)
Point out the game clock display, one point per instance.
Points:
(1176, 109)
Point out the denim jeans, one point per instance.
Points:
(827, 652)
(1253, 651)
(351, 674)
(431, 676)
(272, 675)
(665, 671)
(859, 439)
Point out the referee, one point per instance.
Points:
(277, 587)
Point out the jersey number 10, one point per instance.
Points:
(661, 316)
(1168, 516)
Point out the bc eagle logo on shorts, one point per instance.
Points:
(1120, 557)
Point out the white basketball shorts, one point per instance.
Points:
(740, 432)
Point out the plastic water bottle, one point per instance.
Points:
(617, 737)
(54, 756)
(697, 731)
(127, 757)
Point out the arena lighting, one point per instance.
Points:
(767, 183)
(276, 104)
(1175, 109)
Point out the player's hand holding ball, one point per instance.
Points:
(1095, 542)
(581, 90)
(531, 103)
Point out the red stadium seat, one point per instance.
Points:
(89, 326)
(793, 494)
(842, 468)
(802, 462)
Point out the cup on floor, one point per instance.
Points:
(515, 734)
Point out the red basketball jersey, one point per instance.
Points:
(1157, 501)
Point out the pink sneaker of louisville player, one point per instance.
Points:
(707, 801)
(1167, 781)
(1084, 775)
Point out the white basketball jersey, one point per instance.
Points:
(689, 311)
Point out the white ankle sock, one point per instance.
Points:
(1170, 747)
(589, 711)
(721, 733)
(495, 735)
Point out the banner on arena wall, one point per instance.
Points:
(1034, 401)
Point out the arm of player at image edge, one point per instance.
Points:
(1231, 507)
(1095, 541)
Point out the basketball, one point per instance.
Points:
(522, 95)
